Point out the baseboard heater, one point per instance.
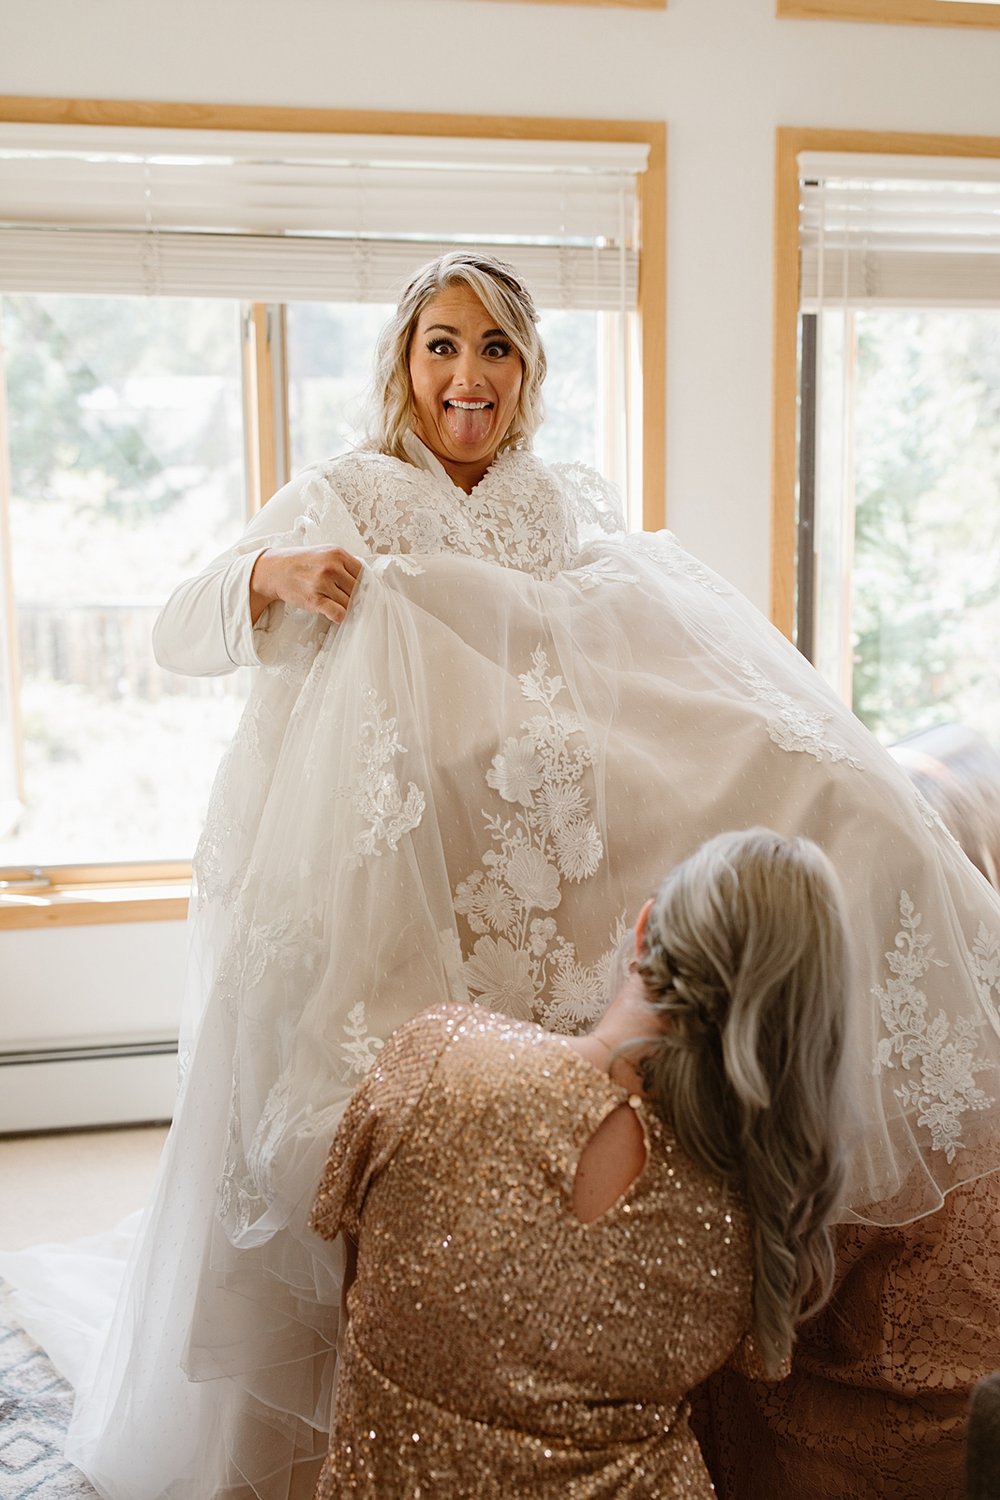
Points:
(76, 1088)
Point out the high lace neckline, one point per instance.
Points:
(422, 457)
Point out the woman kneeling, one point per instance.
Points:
(557, 1238)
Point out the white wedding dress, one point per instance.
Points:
(466, 790)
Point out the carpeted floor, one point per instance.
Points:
(35, 1404)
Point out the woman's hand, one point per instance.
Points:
(320, 580)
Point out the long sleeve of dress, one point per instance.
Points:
(204, 629)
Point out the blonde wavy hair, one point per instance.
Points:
(746, 959)
(509, 304)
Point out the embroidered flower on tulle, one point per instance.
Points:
(375, 791)
(532, 879)
(663, 547)
(794, 727)
(579, 992)
(361, 1048)
(578, 848)
(944, 1051)
(485, 902)
(604, 570)
(547, 836)
(930, 816)
(500, 976)
(517, 772)
(540, 934)
(260, 1157)
(984, 960)
(560, 803)
(246, 1182)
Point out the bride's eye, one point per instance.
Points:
(441, 346)
(498, 349)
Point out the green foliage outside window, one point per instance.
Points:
(926, 577)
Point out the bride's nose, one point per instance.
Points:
(468, 369)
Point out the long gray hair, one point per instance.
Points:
(508, 302)
(745, 958)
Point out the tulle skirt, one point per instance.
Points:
(466, 790)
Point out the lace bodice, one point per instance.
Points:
(522, 514)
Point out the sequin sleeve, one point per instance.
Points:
(375, 1120)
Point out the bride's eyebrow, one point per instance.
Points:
(491, 333)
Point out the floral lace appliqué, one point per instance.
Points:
(361, 1048)
(246, 1183)
(663, 547)
(984, 961)
(517, 515)
(546, 836)
(375, 791)
(793, 727)
(596, 503)
(931, 818)
(604, 570)
(945, 1051)
(387, 560)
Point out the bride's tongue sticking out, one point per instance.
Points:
(469, 421)
(465, 383)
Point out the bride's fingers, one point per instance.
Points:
(335, 598)
(339, 571)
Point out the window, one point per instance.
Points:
(175, 345)
(126, 473)
(898, 596)
(918, 12)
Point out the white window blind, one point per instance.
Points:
(895, 231)
(282, 217)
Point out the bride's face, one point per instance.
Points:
(466, 377)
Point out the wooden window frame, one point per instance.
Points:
(790, 142)
(88, 894)
(894, 12)
(619, 4)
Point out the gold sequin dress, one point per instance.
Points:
(495, 1345)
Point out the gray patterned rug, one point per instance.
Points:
(35, 1403)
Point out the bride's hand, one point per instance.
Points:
(320, 580)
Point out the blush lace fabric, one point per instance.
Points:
(877, 1397)
(464, 791)
(496, 1345)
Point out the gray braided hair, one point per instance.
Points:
(745, 958)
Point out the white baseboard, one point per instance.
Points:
(77, 1090)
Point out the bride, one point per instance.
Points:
(484, 719)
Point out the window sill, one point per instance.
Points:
(93, 905)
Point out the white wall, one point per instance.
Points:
(722, 73)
